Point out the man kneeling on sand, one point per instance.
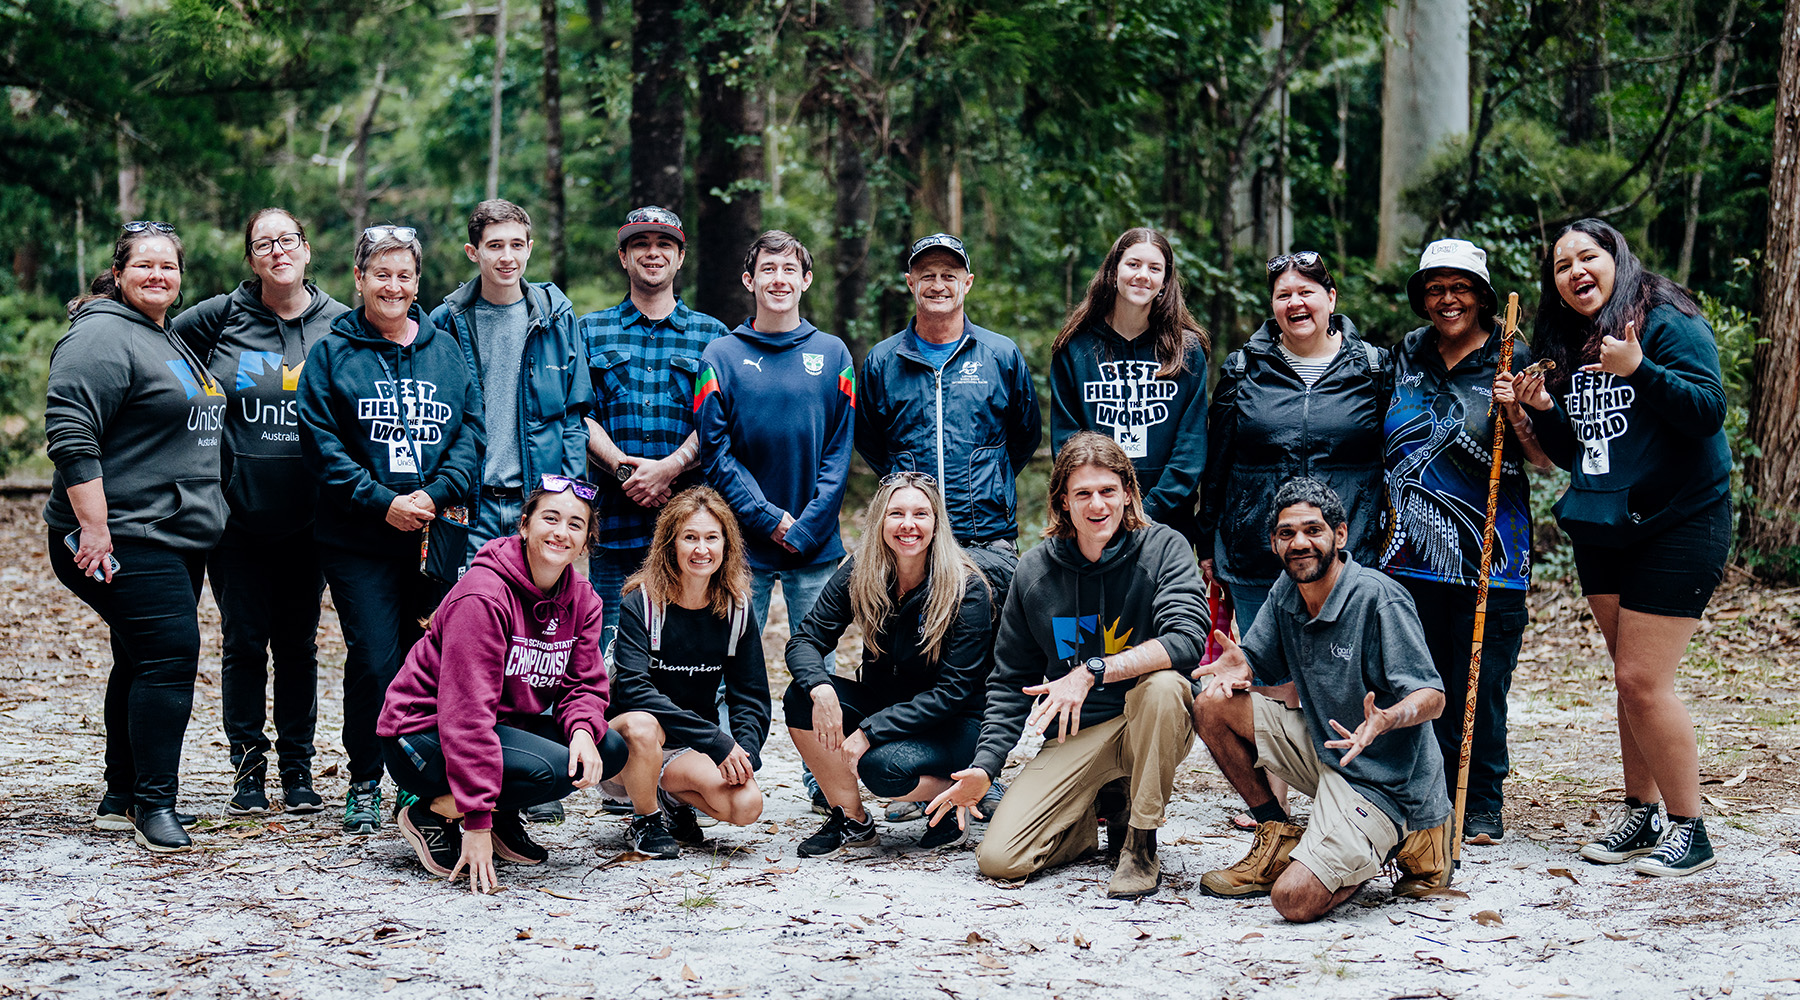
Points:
(1349, 644)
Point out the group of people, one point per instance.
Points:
(434, 471)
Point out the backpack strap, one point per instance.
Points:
(657, 615)
(1373, 355)
(740, 620)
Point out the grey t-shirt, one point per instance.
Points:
(500, 341)
(1366, 638)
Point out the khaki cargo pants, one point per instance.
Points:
(1047, 817)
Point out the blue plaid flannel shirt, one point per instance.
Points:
(643, 374)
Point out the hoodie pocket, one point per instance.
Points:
(270, 496)
(197, 519)
(991, 487)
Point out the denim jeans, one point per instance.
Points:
(151, 608)
(607, 570)
(494, 517)
(534, 762)
(799, 587)
(890, 769)
(268, 591)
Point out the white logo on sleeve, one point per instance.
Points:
(1130, 399)
(815, 363)
(1598, 403)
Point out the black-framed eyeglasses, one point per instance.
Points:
(553, 483)
(148, 227)
(405, 234)
(1304, 258)
(907, 477)
(286, 241)
(1459, 289)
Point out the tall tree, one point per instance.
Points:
(365, 126)
(1424, 101)
(729, 169)
(850, 215)
(658, 103)
(555, 202)
(1772, 470)
(496, 115)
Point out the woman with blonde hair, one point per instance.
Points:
(914, 714)
(685, 627)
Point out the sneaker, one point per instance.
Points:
(945, 833)
(1483, 828)
(403, 799)
(989, 803)
(1424, 861)
(1634, 833)
(547, 812)
(297, 795)
(249, 798)
(1684, 850)
(649, 834)
(114, 812)
(436, 840)
(512, 843)
(840, 833)
(615, 807)
(158, 830)
(684, 824)
(1255, 875)
(362, 807)
(904, 812)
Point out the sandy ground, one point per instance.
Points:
(289, 907)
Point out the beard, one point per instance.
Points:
(1305, 568)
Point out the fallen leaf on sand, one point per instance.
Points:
(974, 938)
(1488, 918)
(1610, 936)
(990, 962)
(688, 973)
(1565, 873)
(523, 935)
(1453, 893)
(1250, 936)
(562, 895)
(388, 984)
(1081, 942)
(1737, 779)
(1140, 933)
(664, 952)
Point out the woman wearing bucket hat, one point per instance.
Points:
(1440, 429)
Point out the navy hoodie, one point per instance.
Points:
(776, 414)
(355, 437)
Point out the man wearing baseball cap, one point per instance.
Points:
(643, 355)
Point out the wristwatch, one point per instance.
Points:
(1097, 666)
(623, 471)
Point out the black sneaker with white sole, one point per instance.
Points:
(249, 797)
(684, 824)
(512, 843)
(945, 833)
(1684, 850)
(1634, 834)
(436, 840)
(839, 834)
(1483, 828)
(649, 834)
(297, 795)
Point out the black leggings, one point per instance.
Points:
(891, 769)
(535, 762)
(150, 607)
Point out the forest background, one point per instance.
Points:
(1036, 129)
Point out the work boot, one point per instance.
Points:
(1255, 875)
(1140, 871)
(1424, 861)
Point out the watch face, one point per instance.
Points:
(624, 471)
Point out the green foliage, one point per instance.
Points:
(29, 327)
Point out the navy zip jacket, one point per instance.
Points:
(554, 389)
(258, 357)
(973, 424)
(776, 418)
(354, 433)
(1266, 426)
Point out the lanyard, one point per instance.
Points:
(405, 421)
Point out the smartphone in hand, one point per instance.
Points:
(73, 541)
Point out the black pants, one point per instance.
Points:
(150, 606)
(380, 600)
(890, 769)
(535, 762)
(1448, 613)
(268, 592)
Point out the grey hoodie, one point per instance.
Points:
(130, 403)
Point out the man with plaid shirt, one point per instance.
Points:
(644, 355)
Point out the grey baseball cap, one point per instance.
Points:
(937, 241)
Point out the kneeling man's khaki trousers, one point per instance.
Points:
(1047, 816)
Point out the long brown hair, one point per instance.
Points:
(1175, 330)
(660, 576)
(947, 572)
(1084, 449)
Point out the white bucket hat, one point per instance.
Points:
(1459, 255)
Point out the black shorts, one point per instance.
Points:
(1672, 573)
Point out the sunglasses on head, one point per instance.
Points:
(405, 234)
(553, 483)
(909, 478)
(148, 227)
(1281, 262)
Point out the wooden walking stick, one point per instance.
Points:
(1481, 588)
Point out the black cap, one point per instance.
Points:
(652, 219)
(937, 241)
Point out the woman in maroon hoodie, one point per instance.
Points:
(464, 727)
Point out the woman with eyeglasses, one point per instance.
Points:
(685, 629)
(1304, 397)
(913, 717)
(502, 705)
(390, 427)
(255, 340)
(132, 423)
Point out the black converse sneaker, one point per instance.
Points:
(1684, 850)
(840, 833)
(1634, 834)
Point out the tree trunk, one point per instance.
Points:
(1424, 100)
(131, 178)
(658, 104)
(1772, 526)
(729, 169)
(850, 256)
(1691, 219)
(555, 206)
(1584, 20)
(496, 111)
(359, 195)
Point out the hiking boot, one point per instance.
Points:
(1424, 861)
(436, 840)
(547, 812)
(1635, 832)
(649, 834)
(1684, 850)
(362, 807)
(839, 834)
(249, 798)
(297, 795)
(158, 830)
(1483, 828)
(114, 812)
(945, 833)
(512, 843)
(1140, 871)
(684, 824)
(1112, 806)
(1255, 875)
